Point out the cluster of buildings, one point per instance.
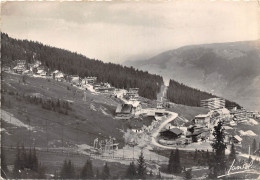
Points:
(202, 125)
(37, 69)
(213, 103)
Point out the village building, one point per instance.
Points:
(30, 66)
(6, 68)
(27, 72)
(159, 114)
(58, 76)
(202, 119)
(213, 103)
(233, 123)
(136, 126)
(239, 115)
(124, 111)
(104, 88)
(172, 133)
(252, 114)
(198, 131)
(257, 152)
(75, 80)
(136, 106)
(236, 140)
(132, 94)
(159, 105)
(19, 69)
(41, 71)
(20, 62)
(20, 66)
(223, 114)
(89, 80)
(36, 64)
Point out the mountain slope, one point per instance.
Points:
(230, 70)
(72, 63)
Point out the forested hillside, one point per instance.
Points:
(231, 69)
(182, 94)
(73, 63)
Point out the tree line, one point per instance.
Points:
(72, 63)
(182, 94)
(26, 165)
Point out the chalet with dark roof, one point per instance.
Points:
(172, 133)
(124, 111)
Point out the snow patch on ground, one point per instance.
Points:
(9, 118)
(253, 122)
(39, 76)
(92, 107)
(247, 133)
(103, 110)
(84, 147)
(227, 127)
(4, 130)
(89, 88)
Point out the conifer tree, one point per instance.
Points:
(67, 170)
(177, 164)
(249, 159)
(141, 167)
(34, 160)
(97, 174)
(4, 169)
(30, 159)
(188, 174)
(71, 170)
(218, 164)
(171, 162)
(254, 146)
(151, 173)
(64, 171)
(207, 156)
(131, 171)
(17, 163)
(159, 175)
(195, 155)
(23, 158)
(87, 170)
(106, 172)
(232, 154)
(41, 171)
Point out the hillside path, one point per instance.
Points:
(161, 96)
(156, 133)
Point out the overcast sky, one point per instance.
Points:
(119, 31)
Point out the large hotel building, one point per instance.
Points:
(213, 103)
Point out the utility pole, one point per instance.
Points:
(77, 138)
(113, 147)
(29, 121)
(62, 137)
(47, 141)
(133, 152)
(158, 155)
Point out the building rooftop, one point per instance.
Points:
(173, 130)
(238, 138)
(125, 108)
(202, 116)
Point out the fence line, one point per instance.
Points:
(93, 155)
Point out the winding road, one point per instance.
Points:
(156, 133)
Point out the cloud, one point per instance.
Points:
(118, 31)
